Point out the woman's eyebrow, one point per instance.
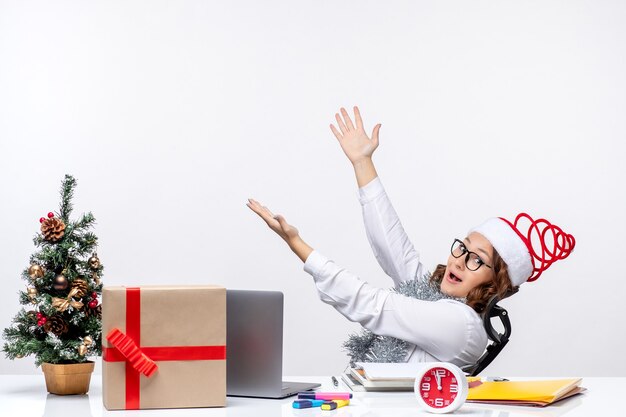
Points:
(480, 250)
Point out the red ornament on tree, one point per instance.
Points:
(39, 316)
(42, 321)
(50, 215)
(94, 295)
(93, 304)
(42, 219)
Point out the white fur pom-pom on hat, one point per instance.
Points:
(526, 249)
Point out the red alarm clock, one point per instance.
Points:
(440, 387)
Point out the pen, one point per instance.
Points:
(331, 405)
(324, 396)
(307, 403)
(335, 382)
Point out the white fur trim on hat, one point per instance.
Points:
(510, 247)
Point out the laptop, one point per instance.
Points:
(254, 346)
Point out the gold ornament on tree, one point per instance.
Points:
(32, 294)
(52, 229)
(61, 304)
(96, 278)
(60, 282)
(82, 350)
(35, 271)
(80, 285)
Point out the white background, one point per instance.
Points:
(172, 114)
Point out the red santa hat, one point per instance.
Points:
(527, 246)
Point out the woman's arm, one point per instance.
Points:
(391, 246)
(365, 171)
(445, 329)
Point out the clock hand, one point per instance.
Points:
(438, 378)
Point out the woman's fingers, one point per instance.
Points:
(269, 212)
(262, 211)
(340, 123)
(337, 134)
(357, 118)
(254, 207)
(345, 123)
(266, 214)
(276, 222)
(283, 223)
(287, 229)
(346, 118)
(375, 134)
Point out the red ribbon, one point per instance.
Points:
(139, 359)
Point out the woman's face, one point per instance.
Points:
(458, 280)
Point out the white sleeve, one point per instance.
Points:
(439, 328)
(391, 245)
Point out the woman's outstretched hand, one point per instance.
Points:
(353, 140)
(275, 222)
(283, 229)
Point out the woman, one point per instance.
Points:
(493, 259)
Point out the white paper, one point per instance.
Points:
(382, 371)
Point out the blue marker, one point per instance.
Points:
(307, 403)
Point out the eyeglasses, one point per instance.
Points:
(472, 260)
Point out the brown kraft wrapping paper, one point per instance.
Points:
(169, 316)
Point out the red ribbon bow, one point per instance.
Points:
(132, 353)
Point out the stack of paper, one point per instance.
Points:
(368, 376)
(533, 393)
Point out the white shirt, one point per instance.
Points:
(444, 330)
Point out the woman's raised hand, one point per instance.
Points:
(353, 140)
(277, 223)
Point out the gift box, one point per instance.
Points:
(163, 347)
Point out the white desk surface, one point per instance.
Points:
(25, 396)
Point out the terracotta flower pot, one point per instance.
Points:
(67, 379)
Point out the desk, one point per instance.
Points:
(26, 396)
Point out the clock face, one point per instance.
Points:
(438, 387)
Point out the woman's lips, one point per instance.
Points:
(453, 278)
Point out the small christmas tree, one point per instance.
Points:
(63, 324)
